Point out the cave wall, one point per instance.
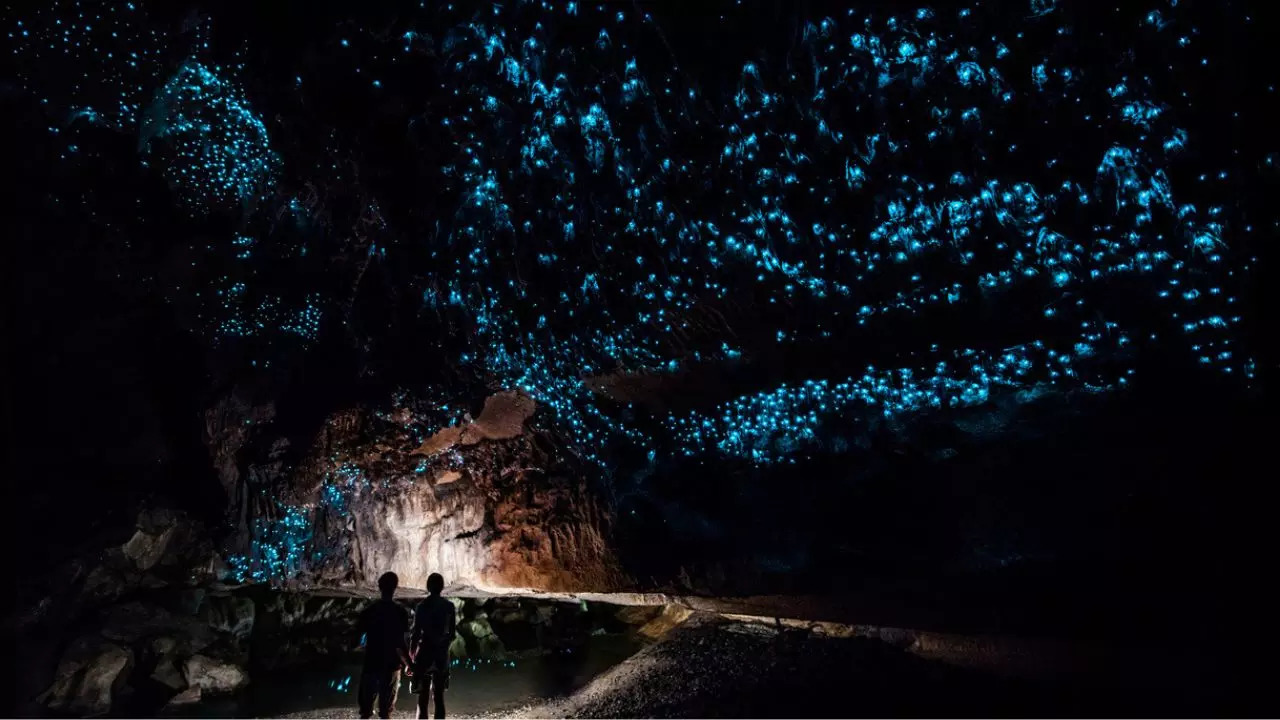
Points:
(332, 390)
(484, 502)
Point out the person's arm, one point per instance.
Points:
(415, 640)
(362, 627)
(402, 650)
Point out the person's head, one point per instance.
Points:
(435, 583)
(388, 584)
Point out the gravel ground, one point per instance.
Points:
(716, 668)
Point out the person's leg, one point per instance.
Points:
(368, 688)
(440, 682)
(387, 692)
(424, 694)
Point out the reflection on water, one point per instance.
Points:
(476, 686)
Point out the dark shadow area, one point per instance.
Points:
(711, 668)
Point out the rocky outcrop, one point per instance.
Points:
(213, 675)
(421, 530)
(138, 613)
(146, 550)
(502, 418)
(293, 628)
(488, 503)
(228, 426)
(141, 654)
(167, 549)
(482, 534)
(478, 638)
(169, 672)
(89, 677)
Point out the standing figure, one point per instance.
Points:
(383, 627)
(435, 625)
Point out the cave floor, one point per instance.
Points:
(717, 667)
(477, 689)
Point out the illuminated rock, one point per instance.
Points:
(146, 550)
(479, 638)
(212, 675)
(420, 532)
(503, 418)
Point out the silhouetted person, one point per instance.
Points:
(435, 625)
(384, 626)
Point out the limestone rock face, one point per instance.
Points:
(89, 676)
(482, 534)
(420, 531)
(228, 425)
(488, 503)
(213, 675)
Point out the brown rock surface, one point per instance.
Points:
(482, 503)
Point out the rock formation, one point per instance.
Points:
(486, 503)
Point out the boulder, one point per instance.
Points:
(638, 614)
(212, 675)
(165, 645)
(169, 673)
(190, 696)
(158, 520)
(146, 550)
(477, 629)
(90, 675)
(672, 616)
(172, 545)
(458, 648)
(480, 639)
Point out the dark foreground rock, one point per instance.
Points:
(88, 678)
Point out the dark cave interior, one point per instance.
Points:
(948, 320)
